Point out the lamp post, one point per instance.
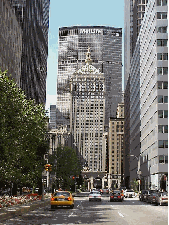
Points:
(138, 171)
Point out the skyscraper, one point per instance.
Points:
(147, 93)
(87, 116)
(106, 52)
(33, 16)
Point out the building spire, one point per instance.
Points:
(88, 57)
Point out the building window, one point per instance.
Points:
(162, 99)
(162, 128)
(162, 70)
(162, 85)
(162, 29)
(162, 56)
(163, 143)
(161, 15)
(162, 42)
(162, 113)
(166, 159)
(161, 2)
(163, 159)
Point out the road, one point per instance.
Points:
(130, 211)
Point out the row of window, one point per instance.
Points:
(163, 159)
(162, 84)
(162, 99)
(163, 143)
(162, 113)
(162, 56)
(162, 70)
(162, 42)
(161, 2)
(162, 29)
(161, 15)
(162, 128)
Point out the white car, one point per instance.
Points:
(130, 193)
(94, 196)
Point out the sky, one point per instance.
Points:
(72, 13)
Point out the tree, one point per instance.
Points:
(67, 166)
(22, 134)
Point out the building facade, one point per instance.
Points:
(154, 95)
(106, 51)
(10, 41)
(116, 148)
(52, 120)
(33, 17)
(87, 116)
(133, 15)
(147, 92)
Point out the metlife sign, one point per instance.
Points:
(91, 31)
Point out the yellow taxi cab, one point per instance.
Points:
(62, 198)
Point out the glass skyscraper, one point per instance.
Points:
(106, 52)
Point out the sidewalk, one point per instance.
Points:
(17, 210)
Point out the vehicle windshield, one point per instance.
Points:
(94, 192)
(164, 193)
(64, 193)
(116, 192)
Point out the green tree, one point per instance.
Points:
(22, 134)
(67, 165)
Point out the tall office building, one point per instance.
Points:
(10, 41)
(154, 95)
(87, 116)
(33, 16)
(106, 52)
(133, 15)
(148, 94)
(116, 148)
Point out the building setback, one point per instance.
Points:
(106, 52)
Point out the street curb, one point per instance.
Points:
(22, 209)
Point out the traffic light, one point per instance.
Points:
(46, 167)
(50, 168)
(73, 177)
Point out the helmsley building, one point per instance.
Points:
(106, 52)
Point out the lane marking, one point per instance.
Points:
(120, 214)
(70, 214)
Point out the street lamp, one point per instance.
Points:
(138, 171)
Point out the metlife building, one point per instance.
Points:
(106, 53)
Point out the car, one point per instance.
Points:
(130, 193)
(152, 198)
(142, 194)
(162, 198)
(62, 198)
(147, 194)
(116, 195)
(105, 191)
(94, 196)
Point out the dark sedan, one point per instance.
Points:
(142, 195)
(116, 196)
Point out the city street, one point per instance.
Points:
(130, 211)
